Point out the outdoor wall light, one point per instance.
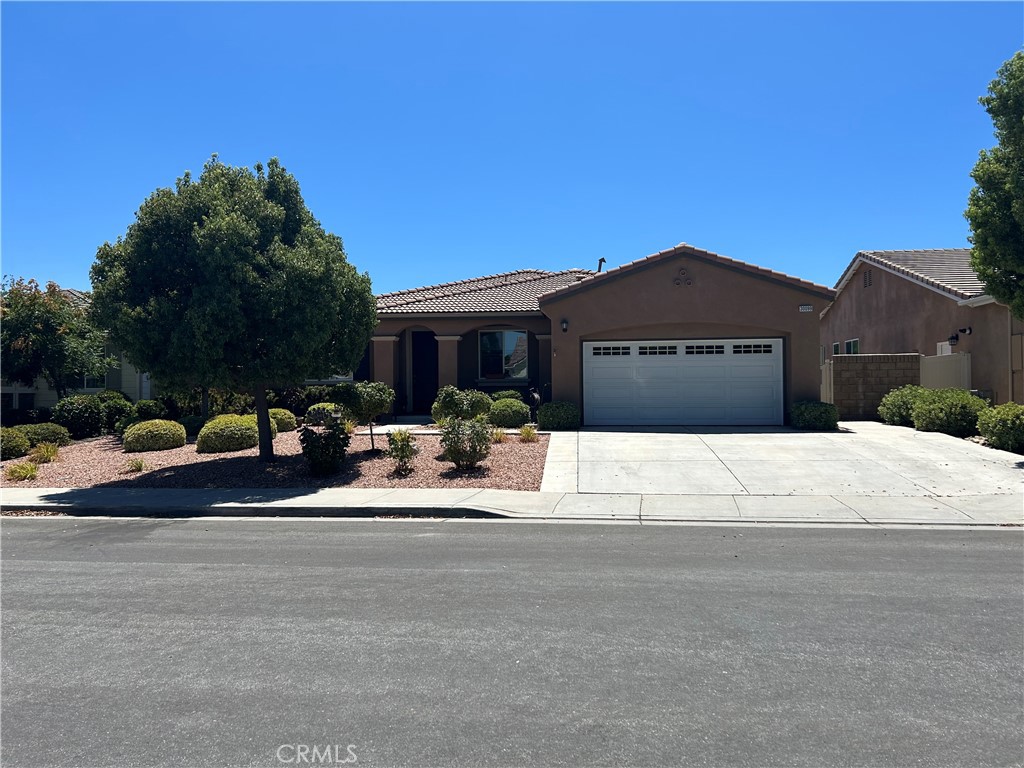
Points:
(954, 339)
(565, 326)
(965, 331)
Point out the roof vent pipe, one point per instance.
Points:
(600, 263)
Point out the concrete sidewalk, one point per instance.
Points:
(982, 510)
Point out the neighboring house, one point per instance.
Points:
(928, 302)
(681, 337)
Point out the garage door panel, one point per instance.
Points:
(614, 372)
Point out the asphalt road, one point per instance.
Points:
(205, 643)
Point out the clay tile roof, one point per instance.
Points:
(508, 292)
(948, 269)
(683, 249)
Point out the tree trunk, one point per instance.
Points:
(263, 425)
(204, 404)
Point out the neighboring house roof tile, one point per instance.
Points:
(508, 292)
(77, 297)
(948, 269)
(683, 249)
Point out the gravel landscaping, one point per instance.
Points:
(100, 462)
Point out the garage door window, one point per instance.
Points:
(751, 349)
(611, 351)
(657, 349)
(705, 349)
(503, 355)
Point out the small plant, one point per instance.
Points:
(324, 448)
(44, 453)
(323, 413)
(138, 464)
(24, 470)
(154, 435)
(350, 426)
(465, 442)
(896, 407)
(81, 415)
(506, 394)
(814, 414)
(950, 411)
(1003, 427)
(403, 449)
(284, 419)
(147, 410)
(509, 413)
(452, 403)
(527, 434)
(499, 435)
(558, 414)
(13, 443)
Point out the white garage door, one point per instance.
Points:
(687, 382)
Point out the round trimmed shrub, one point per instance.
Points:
(230, 433)
(147, 410)
(507, 394)
(950, 411)
(81, 415)
(13, 443)
(284, 419)
(509, 413)
(321, 413)
(896, 407)
(557, 415)
(451, 403)
(192, 424)
(106, 395)
(1003, 427)
(45, 433)
(814, 414)
(125, 422)
(477, 403)
(154, 435)
(115, 409)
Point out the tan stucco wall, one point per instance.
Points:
(896, 315)
(654, 302)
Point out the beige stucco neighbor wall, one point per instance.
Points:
(857, 383)
(897, 315)
(655, 302)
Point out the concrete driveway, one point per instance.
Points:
(863, 459)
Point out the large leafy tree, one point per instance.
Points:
(47, 334)
(995, 207)
(230, 282)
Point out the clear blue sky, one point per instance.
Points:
(445, 141)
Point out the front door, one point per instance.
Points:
(424, 371)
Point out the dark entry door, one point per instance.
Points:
(424, 371)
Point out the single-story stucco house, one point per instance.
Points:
(682, 337)
(930, 303)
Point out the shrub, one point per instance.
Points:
(26, 470)
(896, 406)
(45, 433)
(558, 415)
(1003, 427)
(814, 414)
(403, 449)
(230, 432)
(374, 398)
(951, 411)
(498, 435)
(137, 464)
(452, 403)
(466, 442)
(124, 423)
(147, 410)
(44, 453)
(509, 413)
(324, 448)
(192, 424)
(284, 419)
(154, 435)
(107, 395)
(507, 394)
(527, 434)
(13, 443)
(323, 413)
(115, 409)
(81, 415)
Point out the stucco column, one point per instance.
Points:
(544, 365)
(382, 359)
(448, 360)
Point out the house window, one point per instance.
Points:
(503, 355)
(93, 382)
(27, 400)
(852, 347)
(835, 347)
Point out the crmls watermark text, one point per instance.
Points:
(319, 754)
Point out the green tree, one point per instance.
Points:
(375, 398)
(995, 207)
(230, 282)
(47, 333)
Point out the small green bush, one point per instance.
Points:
(137, 464)
(81, 415)
(558, 415)
(509, 413)
(125, 422)
(1003, 427)
(154, 435)
(403, 449)
(147, 410)
(323, 413)
(192, 424)
(44, 453)
(814, 414)
(896, 407)
(284, 419)
(230, 432)
(45, 433)
(13, 443)
(324, 448)
(115, 409)
(465, 442)
(25, 470)
(499, 435)
(452, 403)
(950, 411)
(507, 394)
(106, 395)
